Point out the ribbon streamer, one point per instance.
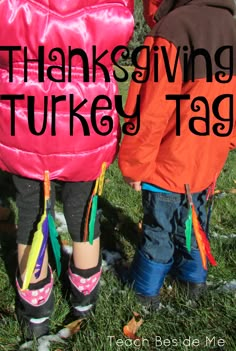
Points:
(202, 241)
(201, 237)
(188, 230)
(45, 228)
(189, 221)
(90, 218)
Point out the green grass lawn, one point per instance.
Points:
(207, 325)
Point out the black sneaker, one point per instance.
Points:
(149, 303)
(193, 291)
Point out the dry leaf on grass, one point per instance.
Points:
(132, 327)
(140, 226)
(45, 341)
(70, 329)
(233, 191)
(75, 326)
(230, 191)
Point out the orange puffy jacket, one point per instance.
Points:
(184, 141)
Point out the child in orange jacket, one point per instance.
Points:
(187, 128)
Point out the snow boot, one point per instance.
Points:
(147, 278)
(34, 306)
(84, 285)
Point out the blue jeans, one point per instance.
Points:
(163, 237)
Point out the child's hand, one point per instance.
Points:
(136, 185)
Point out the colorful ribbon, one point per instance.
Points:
(201, 237)
(90, 218)
(45, 228)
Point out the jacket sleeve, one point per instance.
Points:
(149, 9)
(138, 153)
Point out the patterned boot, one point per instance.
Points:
(84, 289)
(34, 306)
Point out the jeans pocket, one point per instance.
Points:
(171, 198)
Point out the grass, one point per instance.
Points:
(179, 326)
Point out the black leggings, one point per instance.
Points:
(29, 200)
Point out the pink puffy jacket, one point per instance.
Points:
(53, 129)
